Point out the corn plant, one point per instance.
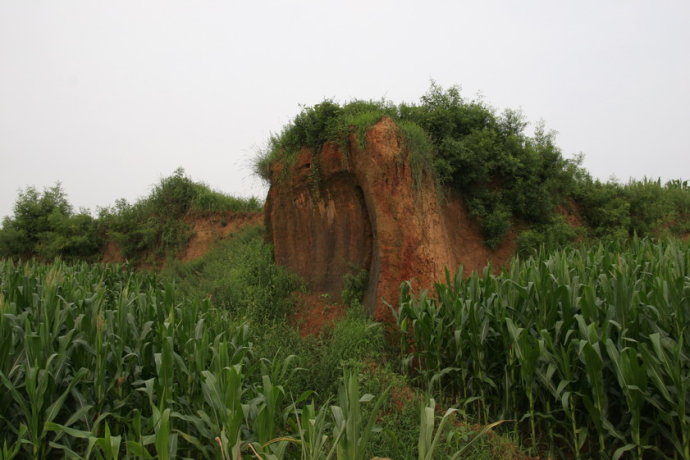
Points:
(313, 434)
(100, 362)
(588, 346)
(428, 440)
(353, 429)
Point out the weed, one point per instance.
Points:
(354, 286)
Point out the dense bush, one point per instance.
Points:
(642, 207)
(45, 226)
(505, 176)
(557, 234)
(354, 286)
(502, 173)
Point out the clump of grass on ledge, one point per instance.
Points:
(318, 124)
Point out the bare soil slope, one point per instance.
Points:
(210, 228)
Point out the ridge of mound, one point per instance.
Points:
(207, 228)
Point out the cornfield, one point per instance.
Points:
(584, 351)
(587, 350)
(98, 362)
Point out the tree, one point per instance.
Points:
(45, 226)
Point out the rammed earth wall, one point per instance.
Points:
(339, 209)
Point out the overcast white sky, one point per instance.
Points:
(109, 96)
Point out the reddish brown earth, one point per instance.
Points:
(314, 312)
(112, 253)
(210, 228)
(328, 213)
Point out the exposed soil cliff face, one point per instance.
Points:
(330, 212)
(320, 233)
(210, 228)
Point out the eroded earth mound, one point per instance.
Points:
(335, 211)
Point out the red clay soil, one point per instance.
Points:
(314, 312)
(328, 213)
(111, 253)
(210, 228)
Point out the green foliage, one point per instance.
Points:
(505, 176)
(642, 208)
(100, 362)
(357, 116)
(586, 345)
(400, 425)
(316, 125)
(308, 129)
(355, 338)
(557, 234)
(421, 150)
(431, 437)
(408, 419)
(502, 173)
(353, 427)
(154, 227)
(44, 226)
(354, 287)
(97, 361)
(493, 215)
(238, 275)
(321, 359)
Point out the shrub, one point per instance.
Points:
(502, 173)
(355, 286)
(552, 236)
(643, 208)
(44, 226)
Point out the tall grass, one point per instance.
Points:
(239, 275)
(587, 349)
